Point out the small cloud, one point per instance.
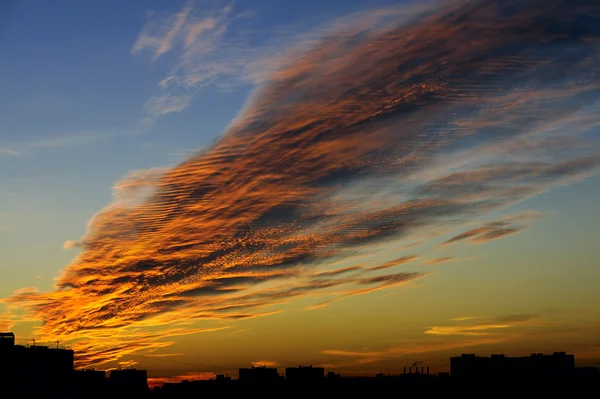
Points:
(240, 331)
(197, 28)
(391, 279)
(128, 364)
(349, 353)
(25, 291)
(8, 151)
(481, 329)
(395, 262)
(337, 272)
(448, 259)
(71, 244)
(319, 305)
(495, 229)
(441, 260)
(488, 327)
(264, 363)
(166, 104)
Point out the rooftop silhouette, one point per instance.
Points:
(37, 369)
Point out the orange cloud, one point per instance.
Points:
(394, 262)
(329, 156)
(265, 363)
(489, 327)
(71, 244)
(481, 329)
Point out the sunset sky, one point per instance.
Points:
(190, 187)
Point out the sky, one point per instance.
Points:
(191, 187)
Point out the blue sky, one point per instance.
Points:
(95, 91)
(75, 110)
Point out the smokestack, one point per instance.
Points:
(427, 370)
(404, 369)
(422, 369)
(410, 370)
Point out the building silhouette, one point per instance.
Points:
(259, 375)
(304, 374)
(557, 367)
(129, 379)
(39, 369)
(33, 364)
(36, 370)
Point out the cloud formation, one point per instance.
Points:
(494, 230)
(196, 33)
(487, 327)
(338, 151)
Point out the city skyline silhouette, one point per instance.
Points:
(36, 369)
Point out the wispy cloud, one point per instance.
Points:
(8, 151)
(394, 262)
(447, 259)
(159, 37)
(60, 140)
(487, 327)
(338, 151)
(70, 244)
(167, 104)
(195, 33)
(214, 44)
(495, 229)
(480, 329)
(265, 363)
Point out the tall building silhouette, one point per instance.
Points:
(33, 364)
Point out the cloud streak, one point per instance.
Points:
(487, 327)
(8, 151)
(336, 152)
(494, 230)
